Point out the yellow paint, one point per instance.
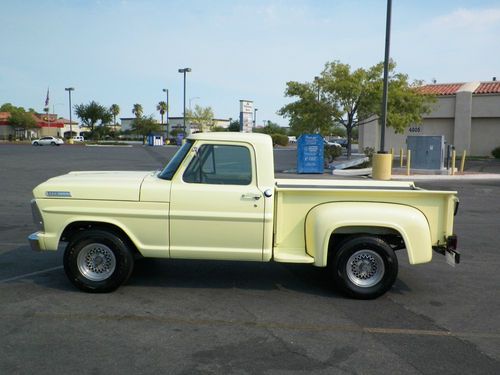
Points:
(408, 162)
(382, 165)
(462, 163)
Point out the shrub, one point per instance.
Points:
(332, 152)
(496, 152)
(279, 139)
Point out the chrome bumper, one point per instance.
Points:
(34, 241)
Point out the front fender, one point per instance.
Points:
(323, 220)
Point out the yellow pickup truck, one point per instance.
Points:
(218, 198)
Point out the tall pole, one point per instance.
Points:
(316, 79)
(255, 117)
(69, 89)
(386, 76)
(184, 71)
(168, 106)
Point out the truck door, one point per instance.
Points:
(216, 209)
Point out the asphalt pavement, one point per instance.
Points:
(211, 317)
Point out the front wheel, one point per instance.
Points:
(98, 261)
(364, 267)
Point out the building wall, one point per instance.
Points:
(467, 121)
(485, 136)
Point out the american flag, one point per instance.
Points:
(47, 99)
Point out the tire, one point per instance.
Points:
(98, 261)
(364, 267)
(36, 144)
(52, 143)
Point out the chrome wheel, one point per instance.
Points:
(365, 268)
(96, 262)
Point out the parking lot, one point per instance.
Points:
(198, 317)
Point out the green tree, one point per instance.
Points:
(145, 126)
(201, 116)
(234, 126)
(92, 115)
(115, 111)
(349, 98)
(271, 128)
(137, 110)
(162, 108)
(19, 117)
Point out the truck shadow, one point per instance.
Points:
(229, 274)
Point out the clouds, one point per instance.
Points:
(472, 20)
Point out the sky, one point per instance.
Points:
(126, 52)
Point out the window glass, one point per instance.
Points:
(173, 164)
(220, 164)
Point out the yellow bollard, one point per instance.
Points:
(408, 162)
(462, 163)
(453, 157)
(401, 158)
(382, 166)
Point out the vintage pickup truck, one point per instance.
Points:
(218, 199)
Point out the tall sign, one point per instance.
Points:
(246, 113)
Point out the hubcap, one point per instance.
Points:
(96, 262)
(365, 268)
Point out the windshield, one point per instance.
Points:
(174, 163)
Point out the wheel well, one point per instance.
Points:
(391, 236)
(78, 226)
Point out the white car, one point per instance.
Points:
(46, 141)
(334, 144)
(78, 138)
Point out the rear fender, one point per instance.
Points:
(324, 220)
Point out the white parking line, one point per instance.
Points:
(30, 274)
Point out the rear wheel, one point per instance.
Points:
(98, 261)
(364, 267)
(36, 144)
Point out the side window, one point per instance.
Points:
(220, 164)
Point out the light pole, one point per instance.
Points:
(255, 117)
(69, 89)
(382, 161)
(168, 105)
(184, 71)
(316, 79)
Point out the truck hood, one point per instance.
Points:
(95, 185)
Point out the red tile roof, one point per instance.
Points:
(440, 89)
(488, 88)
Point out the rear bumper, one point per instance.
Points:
(449, 250)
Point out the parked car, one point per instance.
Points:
(329, 144)
(46, 141)
(78, 138)
(292, 139)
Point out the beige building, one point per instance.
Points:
(467, 114)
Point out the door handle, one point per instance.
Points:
(251, 196)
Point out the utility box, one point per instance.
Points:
(427, 151)
(310, 157)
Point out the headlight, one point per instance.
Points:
(37, 216)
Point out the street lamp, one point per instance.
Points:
(255, 117)
(69, 89)
(316, 79)
(184, 71)
(168, 105)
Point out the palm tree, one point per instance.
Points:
(115, 111)
(162, 108)
(137, 110)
